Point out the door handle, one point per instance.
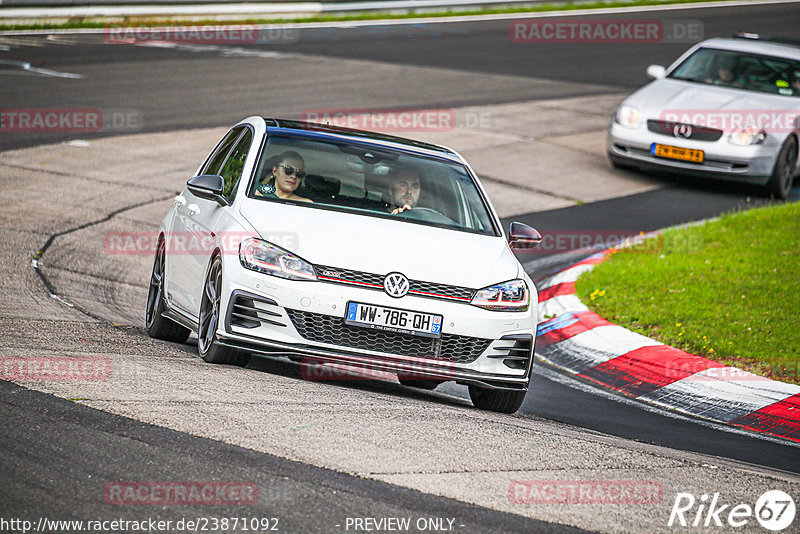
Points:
(194, 209)
(180, 201)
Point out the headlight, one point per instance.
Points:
(508, 296)
(264, 257)
(748, 136)
(628, 116)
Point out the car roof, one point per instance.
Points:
(757, 46)
(313, 130)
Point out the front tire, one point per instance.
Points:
(496, 400)
(780, 183)
(208, 347)
(157, 325)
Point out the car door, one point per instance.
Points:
(187, 241)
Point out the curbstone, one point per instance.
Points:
(579, 341)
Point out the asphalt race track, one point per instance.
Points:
(171, 417)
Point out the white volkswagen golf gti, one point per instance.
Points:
(339, 246)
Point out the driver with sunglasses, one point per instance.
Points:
(287, 175)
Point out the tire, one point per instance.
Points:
(419, 384)
(496, 400)
(158, 326)
(780, 183)
(207, 346)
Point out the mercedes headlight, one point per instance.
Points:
(258, 255)
(748, 136)
(628, 116)
(508, 296)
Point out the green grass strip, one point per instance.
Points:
(728, 290)
(165, 21)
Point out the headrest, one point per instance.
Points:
(320, 187)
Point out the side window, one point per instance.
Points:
(232, 169)
(215, 161)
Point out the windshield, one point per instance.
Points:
(375, 182)
(752, 72)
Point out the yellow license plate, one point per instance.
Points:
(676, 152)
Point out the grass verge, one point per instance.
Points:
(728, 290)
(569, 6)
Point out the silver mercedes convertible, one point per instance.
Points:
(727, 109)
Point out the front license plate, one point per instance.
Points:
(393, 319)
(676, 152)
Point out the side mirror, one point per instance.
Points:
(656, 71)
(209, 187)
(521, 236)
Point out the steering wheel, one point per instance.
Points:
(429, 210)
(427, 214)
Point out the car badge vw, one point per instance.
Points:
(396, 285)
(682, 130)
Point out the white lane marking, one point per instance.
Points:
(21, 42)
(593, 347)
(4, 48)
(512, 16)
(63, 40)
(61, 300)
(463, 18)
(722, 395)
(225, 51)
(553, 307)
(644, 404)
(568, 275)
(27, 67)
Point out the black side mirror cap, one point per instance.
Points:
(209, 187)
(521, 236)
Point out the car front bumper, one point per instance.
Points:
(722, 160)
(276, 317)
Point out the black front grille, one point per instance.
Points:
(375, 281)
(333, 331)
(333, 274)
(698, 133)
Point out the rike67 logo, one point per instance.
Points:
(774, 510)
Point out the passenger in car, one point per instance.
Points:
(286, 176)
(404, 189)
(726, 73)
(796, 82)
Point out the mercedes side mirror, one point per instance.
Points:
(656, 71)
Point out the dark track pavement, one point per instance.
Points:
(447, 65)
(53, 449)
(57, 456)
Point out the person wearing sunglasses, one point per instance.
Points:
(287, 175)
